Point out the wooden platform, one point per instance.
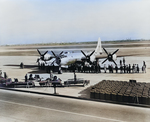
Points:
(122, 91)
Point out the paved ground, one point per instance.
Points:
(22, 107)
(80, 91)
(27, 107)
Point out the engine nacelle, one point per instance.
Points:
(110, 56)
(114, 57)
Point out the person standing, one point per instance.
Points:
(123, 61)
(143, 69)
(111, 68)
(120, 62)
(129, 68)
(21, 65)
(121, 68)
(99, 68)
(5, 75)
(0, 73)
(124, 68)
(105, 69)
(51, 74)
(133, 68)
(138, 69)
(144, 64)
(26, 78)
(116, 68)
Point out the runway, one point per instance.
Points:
(27, 107)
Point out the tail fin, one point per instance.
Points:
(98, 49)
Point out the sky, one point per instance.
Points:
(55, 21)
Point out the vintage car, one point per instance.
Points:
(78, 81)
(16, 83)
(2, 80)
(49, 82)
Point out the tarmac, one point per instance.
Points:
(78, 91)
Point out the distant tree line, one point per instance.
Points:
(73, 43)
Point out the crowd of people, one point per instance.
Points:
(125, 68)
(121, 68)
(97, 68)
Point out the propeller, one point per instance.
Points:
(41, 55)
(38, 60)
(58, 58)
(87, 57)
(110, 56)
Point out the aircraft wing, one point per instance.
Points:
(25, 66)
(121, 55)
(127, 55)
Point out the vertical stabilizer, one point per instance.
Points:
(98, 49)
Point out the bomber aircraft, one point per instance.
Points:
(63, 58)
